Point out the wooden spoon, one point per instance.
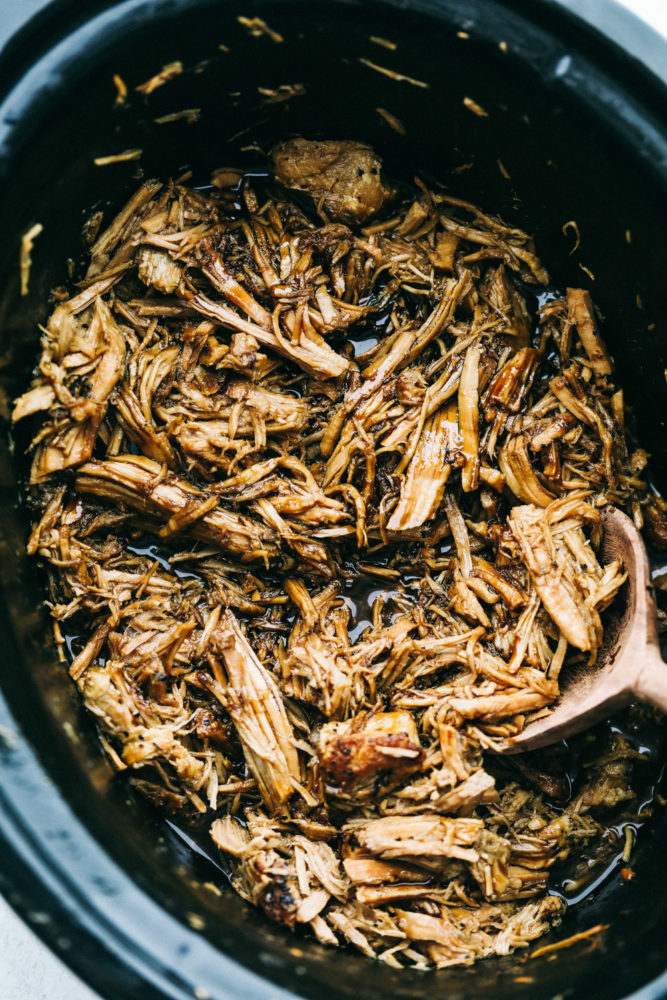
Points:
(629, 666)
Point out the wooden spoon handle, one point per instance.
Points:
(651, 684)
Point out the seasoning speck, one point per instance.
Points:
(392, 120)
(257, 27)
(190, 115)
(476, 108)
(121, 89)
(166, 73)
(384, 42)
(275, 95)
(393, 75)
(128, 154)
(575, 228)
(25, 258)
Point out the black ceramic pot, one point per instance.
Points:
(581, 129)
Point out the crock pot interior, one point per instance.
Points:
(566, 160)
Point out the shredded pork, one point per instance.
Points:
(314, 588)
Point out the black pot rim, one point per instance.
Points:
(80, 910)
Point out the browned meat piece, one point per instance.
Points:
(509, 304)
(581, 310)
(210, 727)
(513, 596)
(262, 876)
(507, 391)
(344, 178)
(554, 784)
(370, 871)
(469, 418)
(371, 751)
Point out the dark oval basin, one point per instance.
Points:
(581, 130)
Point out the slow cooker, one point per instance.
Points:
(580, 128)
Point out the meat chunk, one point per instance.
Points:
(424, 484)
(157, 269)
(312, 353)
(253, 700)
(356, 755)
(140, 483)
(421, 837)
(469, 418)
(86, 361)
(434, 795)
(582, 315)
(290, 877)
(566, 574)
(343, 177)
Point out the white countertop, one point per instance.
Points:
(28, 970)
(652, 11)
